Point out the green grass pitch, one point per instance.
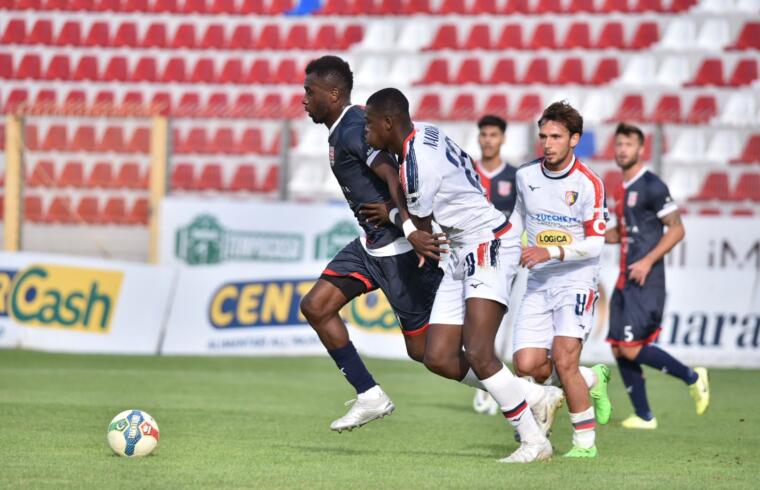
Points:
(263, 423)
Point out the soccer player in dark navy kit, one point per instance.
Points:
(385, 259)
(648, 226)
(496, 176)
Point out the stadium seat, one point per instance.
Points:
(445, 38)
(72, 175)
(115, 211)
(478, 38)
(84, 139)
(232, 71)
(270, 107)
(548, 7)
(747, 188)
(86, 69)
(743, 212)
(668, 110)
(155, 36)
(160, 103)
(33, 209)
(82, 5)
(277, 7)
(184, 37)
(116, 70)
(29, 68)
(297, 38)
(30, 137)
(252, 142)
(703, 109)
(45, 99)
(630, 109)
(543, 37)
(56, 139)
(168, 6)
(449, 7)
(437, 72)
(748, 38)
(497, 105)
(15, 32)
(714, 187)
(326, 39)
(648, 6)
(751, 151)
(463, 108)
(581, 6)
(244, 179)
(578, 36)
(609, 6)
(288, 72)
(528, 108)
(203, 72)
(647, 34)
(126, 36)
(673, 71)
(211, 178)
(242, 38)
(195, 141)
(537, 72)
(260, 72)
(613, 183)
(101, 176)
(710, 211)
(140, 141)
(251, 7)
(98, 36)
(174, 70)
(106, 6)
(244, 106)
(511, 37)
(570, 72)
(138, 214)
(58, 68)
(469, 72)
(271, 180)
(193, 7)
(353, 34)
(189, 105)
(128, 176)
(611, 36)
(516, 7)
(223, 142)
(88, 210)
(337, 7)
(503, 72)
(145, 70)
(606, 71)
(77, 99)
(43, 175)
(710, 72)
(744, 73)
(183, 177)
(41, 33)
(269, 37)
(680, 34)
(484, 7)
(6, 65)
(217, 105)
(739, 109)
(135, 6)
(429, 108)
(714, 35)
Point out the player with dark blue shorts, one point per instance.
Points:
(383, 260)
(643, 210)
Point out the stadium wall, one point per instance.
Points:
(230, 284)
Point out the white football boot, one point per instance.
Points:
(545, 410)
(530, 452)
(374, 404)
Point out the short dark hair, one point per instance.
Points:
(332, 66)
(389, 101)
(562, 112)
(629, 129)
(491, 120)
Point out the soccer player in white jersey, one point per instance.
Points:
(561, 204)
(440, 183)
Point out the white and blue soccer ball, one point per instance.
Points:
(133, 433)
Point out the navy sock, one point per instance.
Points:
(352, 367)
(657, 358)
(633, 379)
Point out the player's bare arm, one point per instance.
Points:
(639, 270)
(379, 213)
(612, 235)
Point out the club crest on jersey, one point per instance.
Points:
(504, 188)
(633, 196)
(332, 156)
(571, 197)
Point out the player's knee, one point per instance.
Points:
(479, 356)
(415, 353)
(312, 310)
(439, 363)
(565, 364)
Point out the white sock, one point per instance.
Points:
(470, 379)
(534, 393)
(589, 376)
(505, 388)
(371, 394)
(584, 425)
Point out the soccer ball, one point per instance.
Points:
(133, 433)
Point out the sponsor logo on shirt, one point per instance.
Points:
(571, 197)
(633, 196)
(548, 238)
(550, 219)
(504, 188)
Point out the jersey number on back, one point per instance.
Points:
(459, 158)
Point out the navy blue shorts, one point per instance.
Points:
(410, 290)
(635, 314)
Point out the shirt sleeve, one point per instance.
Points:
(420, 183)
(355, 142)
(659, 199)
(594, 202)
(517, 218)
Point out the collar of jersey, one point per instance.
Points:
(556, 175)
(492, 173)
(636, 177)
(337, 121)
(407, 142)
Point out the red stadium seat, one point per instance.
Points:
(30, 137)
(72, 175)
(648, 6)
(82, 5)
(528, 108)
(189, 105)
(168, 6)
(78, 99)
(232, 71)
(631, 109)
(537, 72)
(710, 72)
(70, 35)
(43, 175)
(203, 72)
(326, 38)
(41, 33)
(277, 7)
(271, 106)
(174, 70)
(614, 6)
(138, 214)
(211, 178)
(294, 108)
(33, 209)
(445, 38)
(244, 106)
(497, 105)
(112, 141)
(244, 179)
(437, 72)
(135, 6)
(429, 108)
(548, 7)
(418, 7)
(217, 105)
(744, 73)
(98, 35)
(223, 142)
(58, 68)
(195, 142)
(269, 37)
(140, 141)
(606, 70)
(106, 5)
(748, 38)
(388, 7)
(101, 176)
(503, 72)
(511, 37)
(463, 108)
(126, 36)
(252, 7)
(748, 188)
(128, 176)
(252, 142)
(353, 34)
(668, 110)
(183, 177)
(714, 187)
(271, 181)
(242, 38)
(703, 109)
(543, 37)
(742, 212)
(710, 211)
(88, 210)
(517, 7)
(84, 139)
(580, 6)
(6, 65)
(647, 33)
(60, 211)
(15, 32)
(193, 7)
(184, 37)
(56, 139)
(116, 70)
(213, 38)
(484, 7)
(222, 7)
(611, 36)
(288, 72)
(45, 98)
(29, 68)
(469, 72)
(155, 36)
(478, 38)
(340, 7)
(260, 72)
(115, 211)
(297, 37)
(145, 70)
(363, 7)
(578, 36)
(751, 151)
(570, 72)
(87, 68)
(452, 7)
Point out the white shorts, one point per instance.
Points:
(546, 314)
(483, 270)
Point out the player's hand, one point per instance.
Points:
(532, 256)
(639, 270)
(428, 245)
(376, 213)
